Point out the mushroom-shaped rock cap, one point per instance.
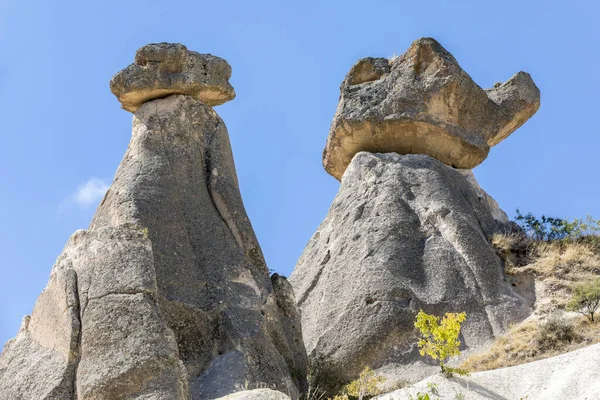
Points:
(162, 69)
(424, 103)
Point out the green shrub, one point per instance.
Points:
(586, 298)
(551, 228)
(555, 332)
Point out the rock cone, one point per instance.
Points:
(404, 233)
(424, 103)
(166, 295)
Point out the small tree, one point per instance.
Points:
(586, 298)
(440, 340)
(365, 387)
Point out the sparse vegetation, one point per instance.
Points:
(551, 228)
(531, 341)
(586, 298)
(314, 393)
(440, 340)
(432, 387)
(420, 396)
(321, 385)
(561, 260)
(556, 332)
(458, 395)
(555, 265)
(365, 387)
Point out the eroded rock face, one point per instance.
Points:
(167, 295)
(178, 180)
(96, 331)
(497, 213)
(162, 69)
(404, 233)
(424, 103)
(256, 394)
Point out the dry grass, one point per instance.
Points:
(555, 267)
(521, 345)
(571, 261)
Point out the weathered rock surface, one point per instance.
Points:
(178, 180)
(96, 330)
(166, 295)
(405, 232)
(497, 213)
(573, 376)
(256, 394)
(424, 103)
(162, 69)
(40, 362)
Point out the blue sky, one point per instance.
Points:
(64, 133)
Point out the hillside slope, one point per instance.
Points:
(573, 376)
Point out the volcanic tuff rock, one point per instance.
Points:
(498, 213)
(256, 394)
(96, 330)
(573, 376)
(166, 295)
(405, 232)
(162, 69)
(424, 103)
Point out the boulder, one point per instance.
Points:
(404, 233)
(424, 103)
(167, 295)
(162, 69)
(256, 394)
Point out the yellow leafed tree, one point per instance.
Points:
(439, 340)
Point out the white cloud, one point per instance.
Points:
(90, 192)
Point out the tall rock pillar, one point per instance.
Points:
(167, 294)
(407, 230)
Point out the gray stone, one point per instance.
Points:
(126, 348)
(574, 376)
(39, 364)
(424, 103)
(256, 394)
(497, 213)
(162, 69)
(167, 295)
(404, 233)
(95, 332)
(284, 324)
(178, 181)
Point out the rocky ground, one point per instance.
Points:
(573, 376)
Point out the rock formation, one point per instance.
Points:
(256, 394)
(408, 231)
(166, 295)
(404, 233)
(163, 69)
(424, 103)
(497, 213)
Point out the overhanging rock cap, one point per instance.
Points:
(423, 102)
(162, 69)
